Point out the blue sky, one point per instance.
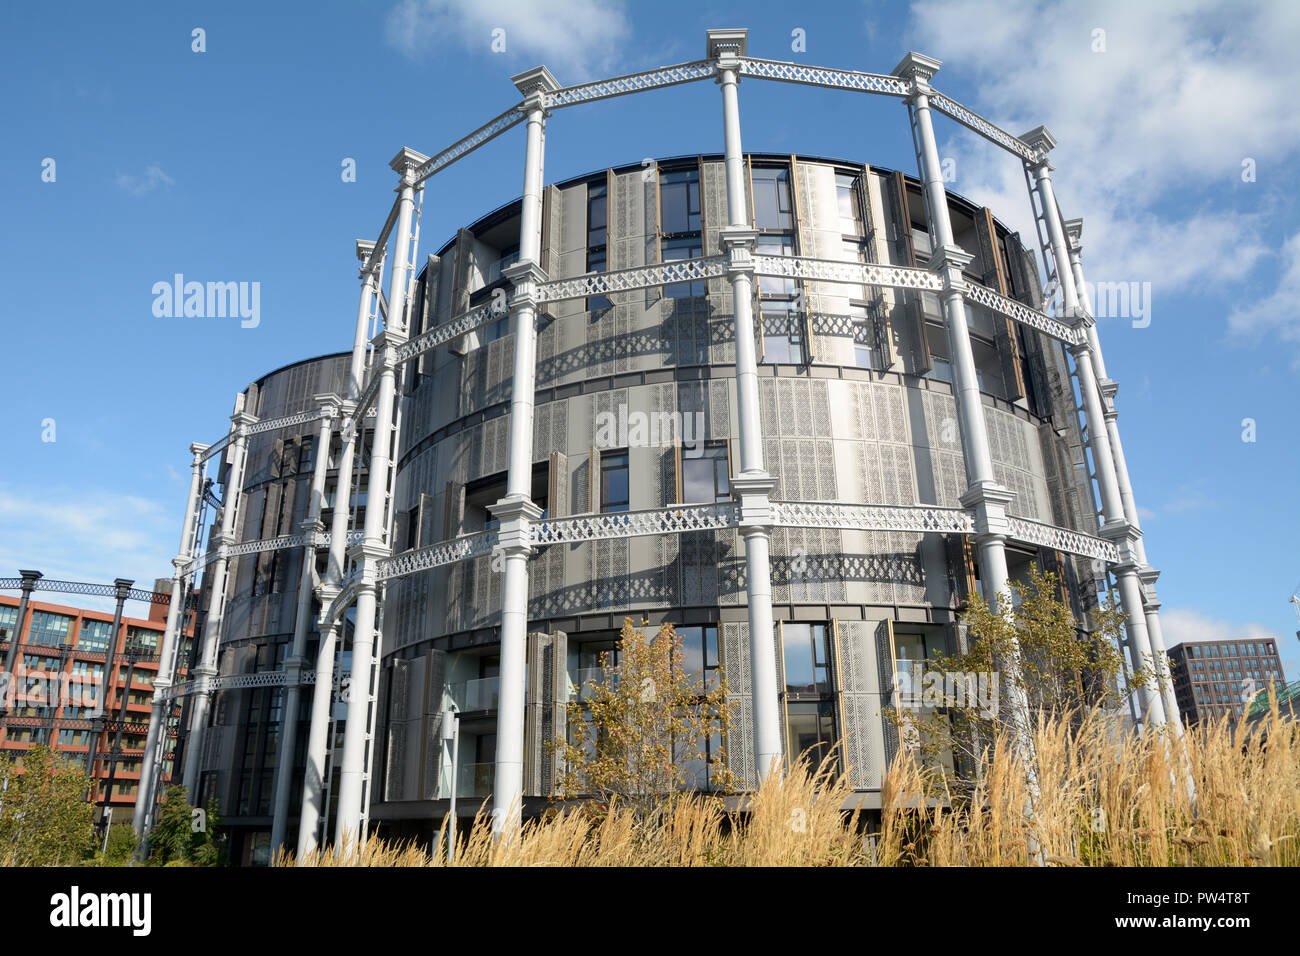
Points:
(225, 166)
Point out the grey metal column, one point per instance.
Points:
(155, 742)
(1146, 574)
(212, 625)
(374, 546)
(7, 685)
(313, 785)
(1115, 528)
(122, 587)
(753, 486)
(516, 511)
(311, 527)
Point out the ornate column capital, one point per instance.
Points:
(1074, 236)
(1124, 536)
(989, 501)
(405, 164)
(536, 85)
(727, 48)
(197, 449)
(1042, 142)
(917, 69)
(525, 276)
(751, 493)
(739, 243)
(330, 404)
(516, 515)
(947, 262)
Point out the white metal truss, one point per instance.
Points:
(1023, 314)
(462, 324)
(629, 280)
(823, 76)
(594, 527)
(435, 556)
(851, 517)
(631, 83)
(319, 539)
(979, 124)
(1063, 539)
(851, 273)
(463, 147)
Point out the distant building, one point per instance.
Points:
(58, 696)
(1214, 679)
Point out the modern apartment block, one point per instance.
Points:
(1215, 679)
(81, 689)
(804, 408)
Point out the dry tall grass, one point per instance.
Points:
(1105, 798)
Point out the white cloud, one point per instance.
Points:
(1152, 132)
(139, 185)
(575, 38)
(86, 535)
(1182, 626)
(1277, 312)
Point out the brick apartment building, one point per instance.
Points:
(57, 697)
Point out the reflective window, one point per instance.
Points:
(49, 629)
(810, 731)
(705, 474)
(807, 667)
(849, 206)
(613, 482)
(772, 198)
(597, 234)
(679, 201)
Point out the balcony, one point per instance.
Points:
(474, 695)
(474, 781)
(580, 679)
(494, 271)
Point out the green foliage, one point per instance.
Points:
(184, 835)
(122, 843)
(1046, 666)
(638, 735)
(45, 819)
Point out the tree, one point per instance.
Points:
(1035, 654)
(45, 819)
(184, 834)
(638, 735)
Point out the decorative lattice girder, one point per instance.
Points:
(466, 322)
(631, 83)
(84, 587)
(1023, 314)
(979, 124)
(823, 76)
(851, 273)
(629, 280)
(676, 520)
(435, 556)
(463, 147)
(851, 517)
(1063, 539)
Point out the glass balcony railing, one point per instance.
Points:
(481, 694)
(581, 677)
(473, 781)
(494, 270)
